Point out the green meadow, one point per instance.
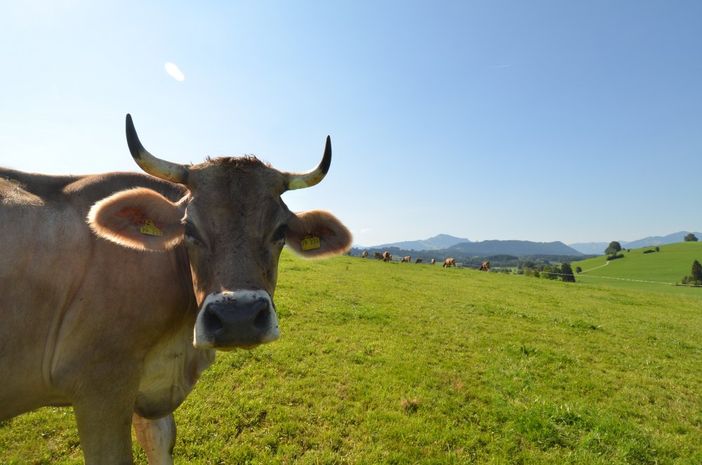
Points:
(655, 271)
(388, 363)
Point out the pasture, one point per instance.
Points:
(388, 363)
(656, 271)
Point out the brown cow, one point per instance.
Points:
(387, 257)
(449, 262)
(485, 266)
(92, 316)
(406, 259)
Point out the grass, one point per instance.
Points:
(386, 363)
(658, 271)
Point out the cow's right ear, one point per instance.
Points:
(140, 219)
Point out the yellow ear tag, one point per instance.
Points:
(150, 229)
(310, 243)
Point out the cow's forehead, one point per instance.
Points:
(222, 187)
(244, 176)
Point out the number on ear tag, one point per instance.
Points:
(310, 243)
(150, 229)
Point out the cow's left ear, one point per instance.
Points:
(140, 219)
(317, 234)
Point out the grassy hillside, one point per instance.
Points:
(386, 363)
(657, 271)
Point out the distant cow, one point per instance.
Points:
(378, 255)
(387, 257)
(433, 261)
(407, 259)
(485, 266)
(364, 254)
(449, 262)
(419, 260)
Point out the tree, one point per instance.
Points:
(696, 271)
(567, 273)
(689, 237)
(613, 248)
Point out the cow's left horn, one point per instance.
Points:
(155, 166)
(302, 180)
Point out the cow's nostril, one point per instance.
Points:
(213, 323)
(262, 319)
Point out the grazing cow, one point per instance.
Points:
(419, 260)
(485, 266)
(93, 316)
(406, 259)
(433, 261)
(449, 262)
(387, 257)
(364, 254)
(379, 256)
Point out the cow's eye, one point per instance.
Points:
(191, 234)
(279, 234)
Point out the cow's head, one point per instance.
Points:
(234, 225)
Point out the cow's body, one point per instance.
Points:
(449, 262)
(485, 266)
(62, 288)
(406, 259)
(122, 328)
(387, 256)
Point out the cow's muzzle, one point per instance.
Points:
(244, 318)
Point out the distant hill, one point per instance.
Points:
(643, 267)
(441, 241)
(597, 248)
(516, 248)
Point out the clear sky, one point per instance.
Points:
(538, 120)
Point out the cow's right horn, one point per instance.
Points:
(155, 166)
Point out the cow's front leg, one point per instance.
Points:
(156, 437)
(104, 427)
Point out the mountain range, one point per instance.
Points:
(451, 244)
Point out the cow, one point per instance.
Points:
(379, 256)
(449, 262)
(387, 256)
(419, 260)
(433, 261)
(406, 259)
(117, 289)
(485, 266)
(364, 254)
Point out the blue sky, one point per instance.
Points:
(539, 120)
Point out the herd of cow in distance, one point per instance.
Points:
(448, 262)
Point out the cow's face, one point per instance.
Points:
(234, 225)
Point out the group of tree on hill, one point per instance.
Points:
(564, 272)
(612, 250)
(690, 237)
(695, 277)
